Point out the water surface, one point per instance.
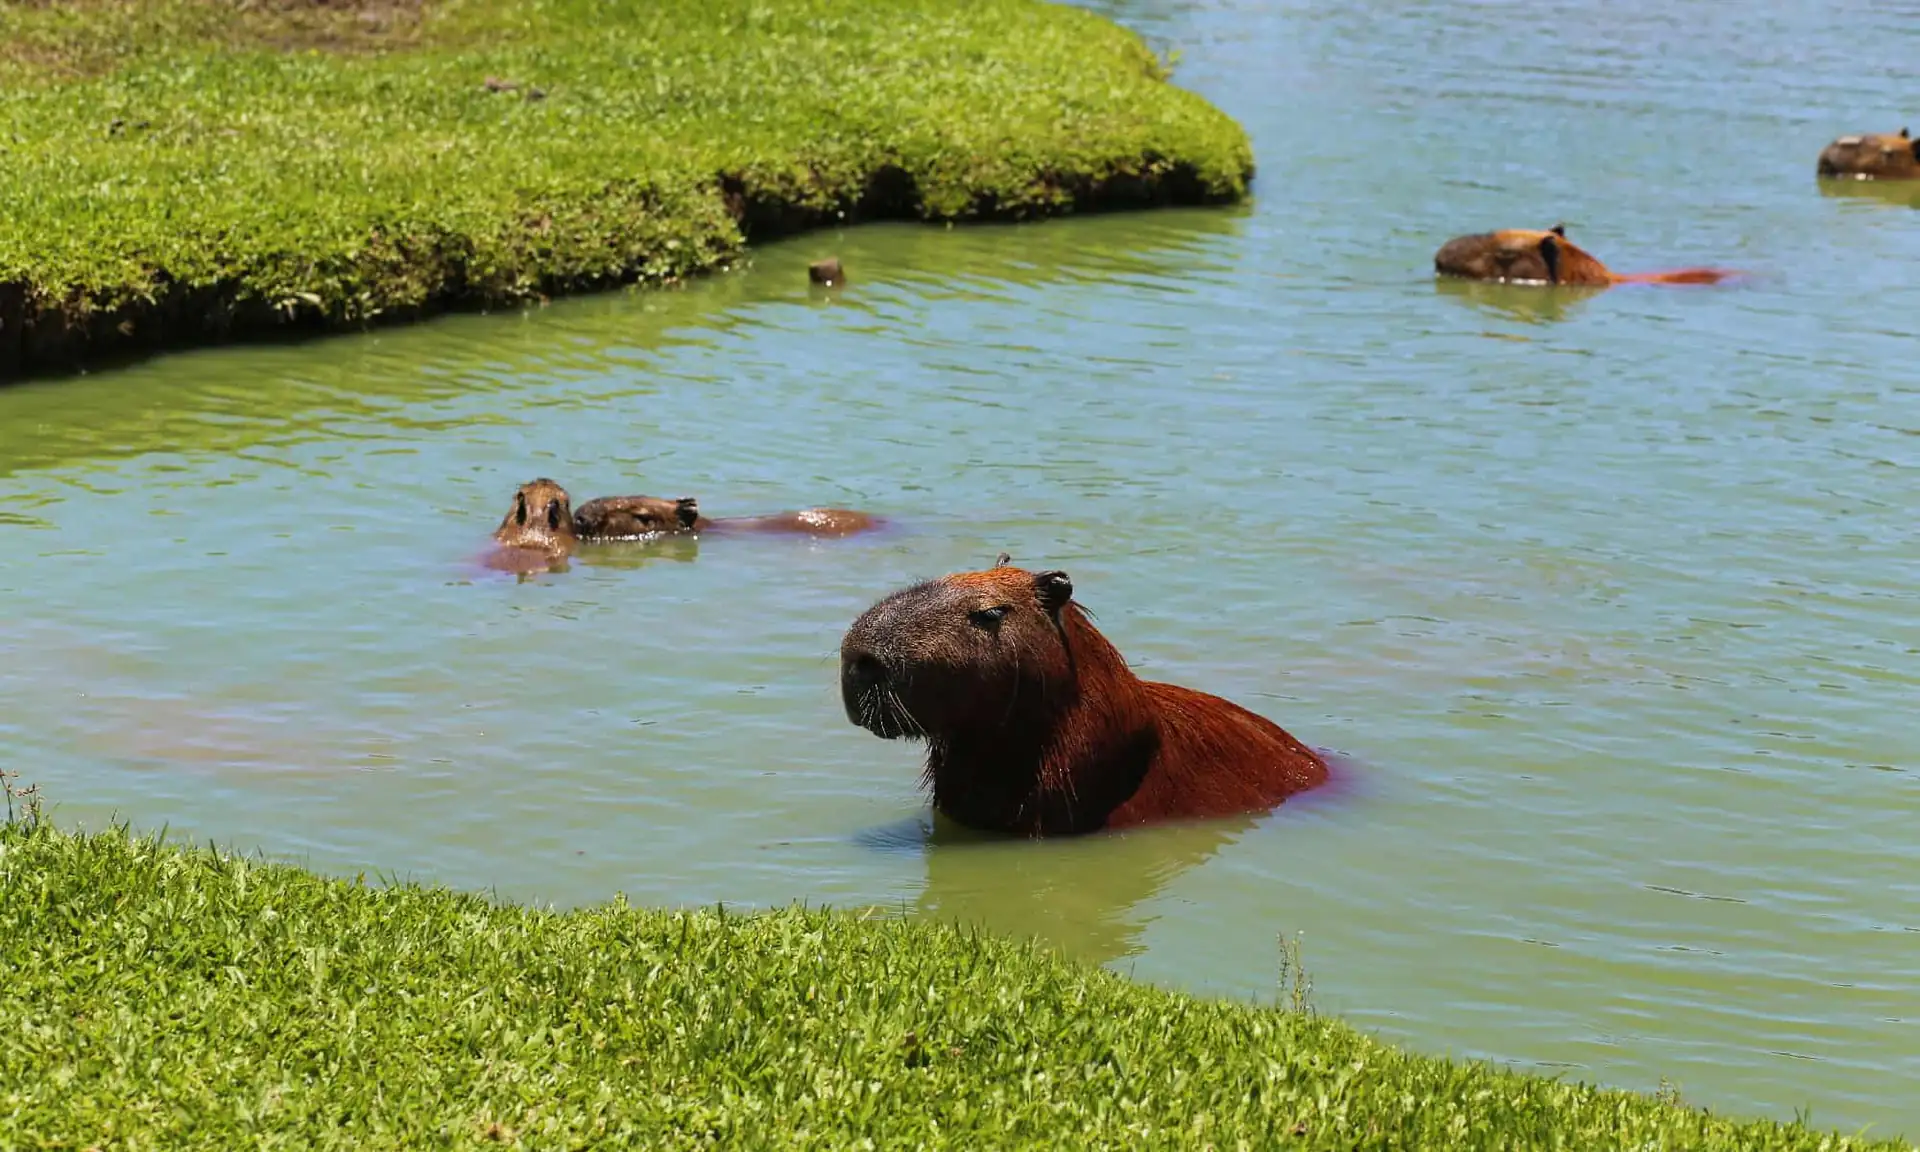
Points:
(1609, 596)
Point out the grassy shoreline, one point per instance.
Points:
(190, 171)
(166, 997)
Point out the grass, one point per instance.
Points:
(156, 997)
(177, 171)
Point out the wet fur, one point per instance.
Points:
(1872, 156)
(1038, 728)
(1532, 256)
(540, 518)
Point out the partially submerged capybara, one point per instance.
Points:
(636, 517)
(1524, 255)
(1874, 156)
(1034, 724)
(542, 518)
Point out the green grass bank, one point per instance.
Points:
(155, 997)
(186, 171)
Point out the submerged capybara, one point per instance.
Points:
(1874, 156)
(1034, 725)
(1528, 256)
(542, 518)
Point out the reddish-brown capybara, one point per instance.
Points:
(1034, 725)
(542, 519)
(1525, 255)
(1874, 156)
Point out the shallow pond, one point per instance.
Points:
(1611, 598)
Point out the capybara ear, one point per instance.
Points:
(1003, 560)
(1903, 132)
(687, 509)
(1559, 230)
(1550, 252)
(520, 509)
(1054, 589)
(553, 514)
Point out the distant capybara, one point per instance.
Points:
(827, 272)
(1524, 255)
(541, 518)
(635, 517)
(1875, 156)
(1034, 725)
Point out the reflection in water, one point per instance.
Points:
(1086, 895)
(1897, 193)
(628, 555)
(1528, 303)
(199, 725)
(524, 563)
(612, 555)
(384, 386)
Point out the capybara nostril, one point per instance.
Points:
(861, 673)
(862, 670)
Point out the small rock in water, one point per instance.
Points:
(826, 271)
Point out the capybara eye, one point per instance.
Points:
(553, 515)
(520, 508)
(988, 618)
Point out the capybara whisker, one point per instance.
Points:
(1035, 725)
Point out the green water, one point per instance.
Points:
(1610, 597)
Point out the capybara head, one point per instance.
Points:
(541, 517)
(971, 651)
(1520, 254)
(635, 517)
(1876, 156)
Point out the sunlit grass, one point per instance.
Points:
(162, 998)
(170, 169)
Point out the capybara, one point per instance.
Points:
(541, 518)
(1875, 156)
(827, 272)
(1524, 255)
(1034, 725)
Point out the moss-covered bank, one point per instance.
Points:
(183, 171)
(158, 998)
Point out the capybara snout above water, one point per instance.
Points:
(1546, 256)
(540, 517)
(1033, 722)
(1872, 156)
